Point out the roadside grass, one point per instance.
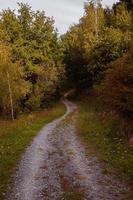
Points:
(101, 132)
(16, 135)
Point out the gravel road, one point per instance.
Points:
(57, 166)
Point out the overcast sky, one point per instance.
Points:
(65, 12)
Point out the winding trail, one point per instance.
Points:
(56, 166)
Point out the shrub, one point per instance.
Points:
(117, 88)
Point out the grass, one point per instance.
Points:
(15, 136)
(101, 131)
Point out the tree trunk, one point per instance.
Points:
(10, 96)
(96, 18)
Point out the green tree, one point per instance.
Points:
(122, 17)
(79, 41)
(129, 4)
(112, 44)
(9, 24)
(13, 87)
(34, 44)
(92, 24)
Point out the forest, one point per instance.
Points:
(94, 59)
(98, 57)
(36, 64)
(30, 61)
(96, 54)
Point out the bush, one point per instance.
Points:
(117, 88)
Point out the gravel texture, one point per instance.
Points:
(57, 166)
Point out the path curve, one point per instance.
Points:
(56, 166)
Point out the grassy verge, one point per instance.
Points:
(15, 136)
(101, 131)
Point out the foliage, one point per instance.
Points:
(87, 54)
(33, 43)
(112, 44)
(118, 86)
(102, 40)
(129, 4)
(78, 42)
(19, 87)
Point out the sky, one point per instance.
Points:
(65, 12)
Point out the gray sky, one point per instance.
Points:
(65, 12)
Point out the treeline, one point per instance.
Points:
(98, 56)
(31, 70)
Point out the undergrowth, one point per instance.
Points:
(102, 131)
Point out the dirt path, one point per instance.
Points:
(56, 166)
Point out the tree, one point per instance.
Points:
(122, 17)
(34, 43)
(112, 44)
(73, 57)
(129, 4)
(10, 25)
(44, 88)
(97, 4)
(79, 41)
(89, 52)
(25, 19)
(13, 87)
(92, 22)
(117, 90)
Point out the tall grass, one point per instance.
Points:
(101, 131)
